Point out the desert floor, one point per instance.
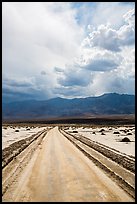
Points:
(111, 136)
(51, 167)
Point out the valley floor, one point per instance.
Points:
(51, 168)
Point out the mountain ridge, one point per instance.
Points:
(108, 103)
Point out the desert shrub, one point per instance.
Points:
(28, 129)
(125, 131)
(66, 128)
(93, 133)
(101, 130)
(115, 132)
(129, 133)
(125, 139)
(102, 133)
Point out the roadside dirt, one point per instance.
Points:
(57, 171)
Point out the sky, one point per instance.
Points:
(67, 49)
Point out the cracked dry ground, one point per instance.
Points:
(57, 171)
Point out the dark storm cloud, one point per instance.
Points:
(101, 65)
(74, 77)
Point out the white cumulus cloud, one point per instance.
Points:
(111, 39)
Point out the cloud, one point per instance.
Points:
(127, 67)
(99, 13)
(110, 13)
(58, 69)
(67, 49)
(102, 82)
(130, 17)
(111, 82)
(26, 88)
(81, 71)
(111, 39)
(104, 37)
(82, 75)
(38, 34)
(75, 77)
(101, 65)
(43, 72)
(70, 92)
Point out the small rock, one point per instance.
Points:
(125, 139)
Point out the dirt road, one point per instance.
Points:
(58, 171)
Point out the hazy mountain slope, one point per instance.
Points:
(111, 103)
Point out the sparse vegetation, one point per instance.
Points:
(93, 133)
(101, 130)
(102, 133)
(116, 132)
(129, 133)
(28, 129)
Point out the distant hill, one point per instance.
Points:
(106, 104)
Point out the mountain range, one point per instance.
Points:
(106, 104)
